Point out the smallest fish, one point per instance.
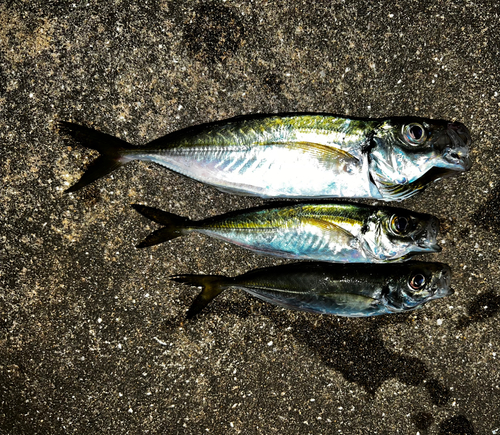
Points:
(334, 232)
(349, 290)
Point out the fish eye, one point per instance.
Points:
(414, 134)
(417, 281)
(400, 224)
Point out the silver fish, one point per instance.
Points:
(350, 290)
(297, 156)
(336, 232)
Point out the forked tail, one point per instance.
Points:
(111, 148)
(175, 225)
(212, 286)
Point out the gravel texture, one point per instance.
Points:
(92, 332)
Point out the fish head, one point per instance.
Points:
(417, 283)
(407, 154)
(394, 234)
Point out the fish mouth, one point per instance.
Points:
(455, 144)
(428, 239)
(430, 247)
(427, 247)
(443, 286)
(443, 292)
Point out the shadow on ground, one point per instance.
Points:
(355, 349)
(458, 425)
(483, 307)
(362, 358)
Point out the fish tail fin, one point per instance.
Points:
(212, 286)
(111, 148)
(175, 226)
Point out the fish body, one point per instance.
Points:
(333, 232)
(344, 290)
(280, 157)
(297, 156)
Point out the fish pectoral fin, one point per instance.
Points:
(323, 152)
(334, 232)
(400, 259)
(351, 300)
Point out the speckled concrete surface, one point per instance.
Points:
(92, 336)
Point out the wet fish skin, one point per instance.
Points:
(401, 166)
(296, 156)
(348, 290)
(334, 232)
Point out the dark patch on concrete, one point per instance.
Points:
(306, 19)
(488, 214)
(480, 309)
(446, 226)
(438, 392)
(171, 324)
(4, 324)
(423, 421)
(37, 10)
(273, 82)
(213, 32)
(3, 77)
(458, 425)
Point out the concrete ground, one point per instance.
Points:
(92, 331)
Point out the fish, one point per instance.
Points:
(350, 290)
(302, 156)
(333, 232)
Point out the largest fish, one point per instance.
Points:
(297, 156)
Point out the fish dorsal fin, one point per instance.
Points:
(339, 234)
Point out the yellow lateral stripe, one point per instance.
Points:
(285, 217)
